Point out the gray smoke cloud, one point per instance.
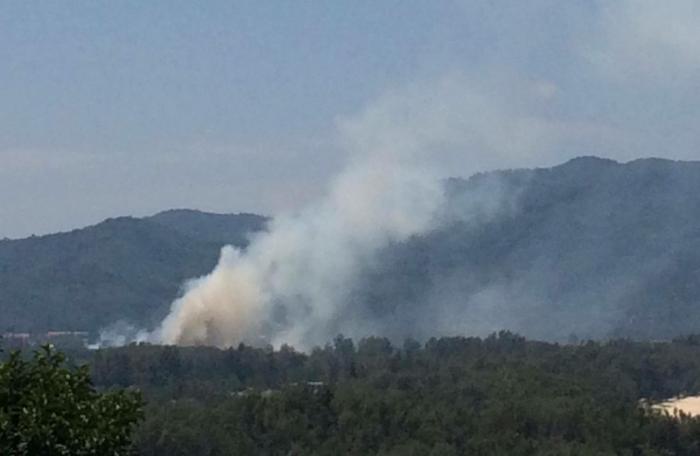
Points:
(291, 280)
(322, 271)
(298, 282)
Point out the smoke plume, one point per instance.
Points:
(289, 283)
(300, 282)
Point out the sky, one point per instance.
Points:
(132, 107)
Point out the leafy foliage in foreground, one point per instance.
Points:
(47, 408)
(499, 395)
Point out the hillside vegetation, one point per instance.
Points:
(121, 269)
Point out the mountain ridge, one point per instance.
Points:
(588, 248)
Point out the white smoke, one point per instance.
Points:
(287, 286)
(120, 333)
(295, 281)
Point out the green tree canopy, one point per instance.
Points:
(48, 408)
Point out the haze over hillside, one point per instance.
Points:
(590, 248)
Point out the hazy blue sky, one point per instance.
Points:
(130, 107)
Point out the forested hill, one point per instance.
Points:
(590, 248)
(121, 269)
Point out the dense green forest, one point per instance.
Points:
(499, 395)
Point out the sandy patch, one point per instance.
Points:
(689, 405)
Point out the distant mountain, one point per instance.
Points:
(121, 269)
(590, 248)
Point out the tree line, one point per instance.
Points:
(501, 394)
(460, 395)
